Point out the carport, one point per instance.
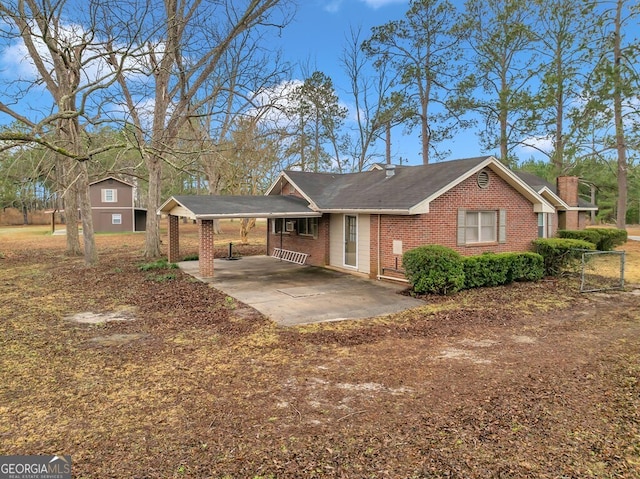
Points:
(291, 294)
(205, 209)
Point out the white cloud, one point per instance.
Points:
(272, 103)
(375, 4)
(16, 63)
(333, 6)
(536, 144)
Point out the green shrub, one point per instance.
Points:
(560, 254)
(605, 239)
(497, 269)
(434, 269)
(590, 235)
(526, 267)
(609, 238)
(191, 257)
(487, 269)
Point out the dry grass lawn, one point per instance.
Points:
(529, 380)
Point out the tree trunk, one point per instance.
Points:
(558, 153)
(152, 236)
(617, 109)
(426, 139)
(70, 189)
(214, 183)
(84, 200)
(388, 143)
(246, 225)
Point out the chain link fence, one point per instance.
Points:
(602, 271)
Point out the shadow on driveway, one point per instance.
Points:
(291, 294)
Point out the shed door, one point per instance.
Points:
(350, 240)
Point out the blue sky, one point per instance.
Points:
(316, 39)
(313, 41)
(318, 34)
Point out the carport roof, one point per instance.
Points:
(212, 207)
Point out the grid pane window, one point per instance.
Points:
(481, 227)
(116, 219)
(109, 196)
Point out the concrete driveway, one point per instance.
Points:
(291, 294)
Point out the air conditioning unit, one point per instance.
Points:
(290, 226)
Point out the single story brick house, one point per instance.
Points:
(364, 222)
(113, 206)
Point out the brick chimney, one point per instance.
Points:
(568, 189)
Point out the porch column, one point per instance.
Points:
(174, 240)
(206, 252)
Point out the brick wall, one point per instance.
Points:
(206, 249)
(174, 239)
(439, 226)
(316, 248)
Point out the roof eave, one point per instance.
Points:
(368, 211)
(296, 214)
(581, 208)
(165, 208)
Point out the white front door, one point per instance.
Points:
(351, 241)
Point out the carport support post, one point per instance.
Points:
(174, 240)
(205, 235)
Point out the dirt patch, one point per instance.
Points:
(88, 317)
(117, 339)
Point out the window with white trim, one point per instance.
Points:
(308, 227)
(116, 219)
(481, 226)
(109, 195)
(542, 230)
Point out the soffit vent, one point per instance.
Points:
(483, 179)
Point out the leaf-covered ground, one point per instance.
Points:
(530, 380)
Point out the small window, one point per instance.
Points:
(278, 225)
(116, 219)
(308, 227)
(109, 195)
(542, 225)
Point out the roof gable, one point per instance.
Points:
(111, 178)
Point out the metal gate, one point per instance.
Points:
(602, 271)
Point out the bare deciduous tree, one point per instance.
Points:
(63, 45)
(186, 44)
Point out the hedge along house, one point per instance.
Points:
(364, 222)
(113, 207)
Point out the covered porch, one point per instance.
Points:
(205, 209)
